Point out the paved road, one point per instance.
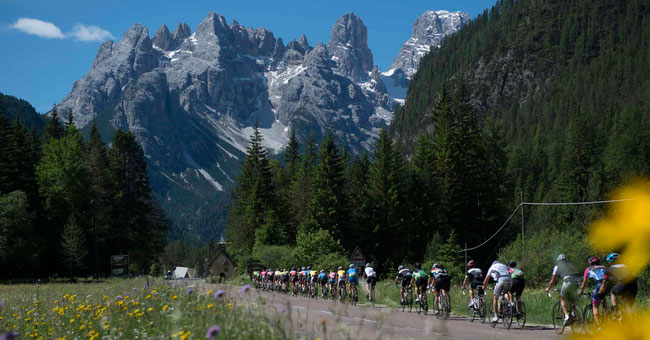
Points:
(332, 320)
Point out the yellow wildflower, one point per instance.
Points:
(165, 307)
(174, 297)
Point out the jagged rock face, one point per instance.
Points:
(349, 47)
(428, 31)
(191, 99)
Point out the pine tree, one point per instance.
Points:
(20, 168)
(328, 208)
(97, 169)
(4, 152)
(53, 128)
(385, 185)
(251, 199)
(73, 247)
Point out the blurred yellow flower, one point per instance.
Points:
(174, 297)
(626, 226)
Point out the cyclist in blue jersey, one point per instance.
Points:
(599, 274)
(625, 284)
(353, 278)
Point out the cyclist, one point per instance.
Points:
(626, 285)
(518, 282)
(313, 275)
(570, 280)
(599, 274)
(440, 280)
(322, 279)
(302, 279)
(341, 278)
(474, 277)
(499, 272)
(371, 278)
(404, 275)
(293, 277)
(353, 279)
(332, 281)
(420, 279)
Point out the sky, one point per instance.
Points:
(49, 44)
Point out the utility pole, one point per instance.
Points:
(521, 202)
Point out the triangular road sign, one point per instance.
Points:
(357, 255)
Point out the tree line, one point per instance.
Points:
(67, 204)
(317, 203)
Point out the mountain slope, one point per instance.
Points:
(569, 82)
(13, 107)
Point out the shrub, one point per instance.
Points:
(273, 256)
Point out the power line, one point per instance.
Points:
(548, 204)
(584, 203)
(495, 234)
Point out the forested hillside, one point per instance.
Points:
(568, 80)
(13, 107)
(67, 204)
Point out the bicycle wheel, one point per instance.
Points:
(576, 319)
(447, 306)
(342, 294)
(402, 301)
(410, 301)
(372, 296)
(557, 316)
(588, 321)
(482, 310)
(521, 314)
(425, 304)
(508, 312)
(418, 305)
(471, 312)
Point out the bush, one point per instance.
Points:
(310, 246)
(331, 261)
(536, 257)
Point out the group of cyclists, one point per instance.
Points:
(307, 281)
(611, 279)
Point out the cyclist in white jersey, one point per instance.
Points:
(499, 272)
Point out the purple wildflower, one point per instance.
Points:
(119, 298)
(213, 332)
(8, 336)
(245, 289)
(283, 310)
(135, 289)
(2, 303)
(190, 291)
(219, 294)
(35, 315)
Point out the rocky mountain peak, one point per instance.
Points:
(348, 46)
(162, 39)
(428, 31)
(303, 42)
(179, 34)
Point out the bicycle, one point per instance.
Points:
(504, 312)
(477, 308)
(342, 292)
(406, 299)
(443, 307)
(607, 313)
(354, 294)
(423, 304)
(314, 289)
(324, 291)
(520, 312)
(371, 294)
(557, 315)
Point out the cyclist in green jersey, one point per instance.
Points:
(420, 279)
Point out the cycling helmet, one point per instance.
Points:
(368, 264)
(561, 257)
(593, 261)
(612, 257)
(495, 262)
(437, 265)
(417, 265)
(308, 267)
(340, 267)
(351, 265)
(512, 264)
(471, 264)
(400, 268)
(322, 271)
(302, 269)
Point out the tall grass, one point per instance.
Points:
(127, 309)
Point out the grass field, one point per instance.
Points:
(128, 309)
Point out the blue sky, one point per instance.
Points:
(42, 66)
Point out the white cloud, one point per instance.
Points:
(82, 32)
(37, 27)
(44, 29)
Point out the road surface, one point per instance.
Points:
(313, 318)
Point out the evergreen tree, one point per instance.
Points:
(251, 198)
(73, 247)
(301, 190)
(328, 208)
(4, 152)
(20, 166)
(385, 185)
(53, 128)
(97, 170)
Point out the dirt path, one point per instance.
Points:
(332, 320)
